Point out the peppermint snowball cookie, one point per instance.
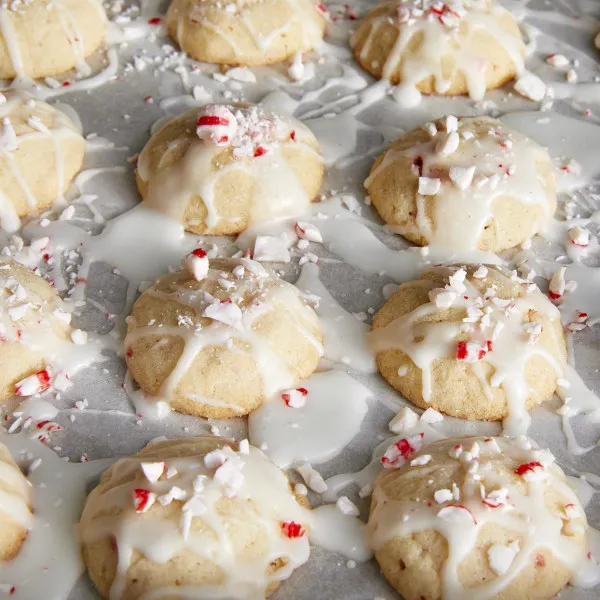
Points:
(41, 151)
(41, 38)
(245, 32)
(216, 340)
(464, 184)
(473, 342)
(444, 48)
(220, 169)
(488, 518)
(200, 517)
(37, 349)
(16, 519)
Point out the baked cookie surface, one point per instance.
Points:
(217, 342)
(200, 517)
(477, 517)
(220, 168)
(245, 32)
(464, 184)
(473, 342)
(431, 47)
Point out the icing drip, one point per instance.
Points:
(448, 34)
(466, 169)
(496, 482)
(495, 331)
(241, 292)
(231, 139)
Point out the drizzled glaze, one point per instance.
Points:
(193, 159)
(489, 485)
(205, 501)
(495, 333)
(27, 122)
(436, 44)
(226, 310)
(467, 172)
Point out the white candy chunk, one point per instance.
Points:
(579, 236)
(448, 144)
(308, 231)
(421, 460)
(296, 69)
(241, 74)
(462, 177)
(197, 264)
(557, 284)
(432, 416)
(230, 477)
(481, 272)
(404, 420)
(312, 478)
(402, 370)
(429, 186)
(63, 317)
(451, 123)
(225, 312)
(456, 280)
(268, 248)
(351, 203)
(501, 557)
(347, 507)
(571, 76)
(431, 129)
(557, 60)
(79, 337)
(442, 298)
(442, 496)
(531, 86)
(216, 124)
(153, 471)
(244, 447)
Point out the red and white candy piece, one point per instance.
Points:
(458, 514)
(307, 231)
(143, 499)
(579, 236)
(216, 124)
(472, 351)
(531, 471)
(295, 398)
(496, 498)
(292, 530)
(226, 312)
(197, 264)
(34, 384)
(400, 452)
(557, 284)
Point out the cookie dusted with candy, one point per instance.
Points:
(246, 32)
(464, 184)
(489, 518)
(218, 338)
(473, 342)
(42, 38)
(220, 169)
(443, 48)
(200, 517)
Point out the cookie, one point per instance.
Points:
(35, 332)
(220, 169)
(16, 501)
(464, 184)
(431, 47)
(41, 38)
(475, 517)
(200, 517)
(216, 342)
(42, 151)
(248, 33)
(473, 342)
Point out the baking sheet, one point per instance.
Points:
(120, 112)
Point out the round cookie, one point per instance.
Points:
(217, 342)
(41, 152)
(247, 32)
(473, 342)
(220, 169)
(479, 517)
(464, 184)
(200, 517)
(431, 47)
(41, 38)
(34, 329)
(15, 506)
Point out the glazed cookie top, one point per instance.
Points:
(220, 303)
(220, 513)
(470, 489)
(479, 315)
(461, 171)
(446, 38)
(26, 121)
(219, 154)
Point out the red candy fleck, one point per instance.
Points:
(293, 135)
(142, 499)
(554, 295)
(211, 121)
(154, 21)
(461, 350)
(291, 529)
(260, 151)
(199, 253)
(528, 467)
(540, 561)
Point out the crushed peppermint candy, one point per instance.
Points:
(295, 398)
(401, 451)
(197, 264)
